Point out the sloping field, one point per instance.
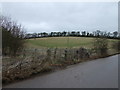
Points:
(59, 42)
(62, 42)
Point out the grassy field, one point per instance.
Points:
(62, 42)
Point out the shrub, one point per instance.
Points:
(100, 46)
(116, 46)
(83, 53)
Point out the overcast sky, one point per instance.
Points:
(61, 16)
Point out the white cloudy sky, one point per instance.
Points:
(60, 16)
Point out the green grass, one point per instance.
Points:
(62, 42)
(59, 42)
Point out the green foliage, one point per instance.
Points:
(60, 42)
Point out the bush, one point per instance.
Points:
(83, 53)
(100, 46)
(116, 46)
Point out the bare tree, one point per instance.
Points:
(12, 36)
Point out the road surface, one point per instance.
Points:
(100, 73)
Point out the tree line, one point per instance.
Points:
(14, 35)
(97, 33)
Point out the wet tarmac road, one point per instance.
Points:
(100, 73)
